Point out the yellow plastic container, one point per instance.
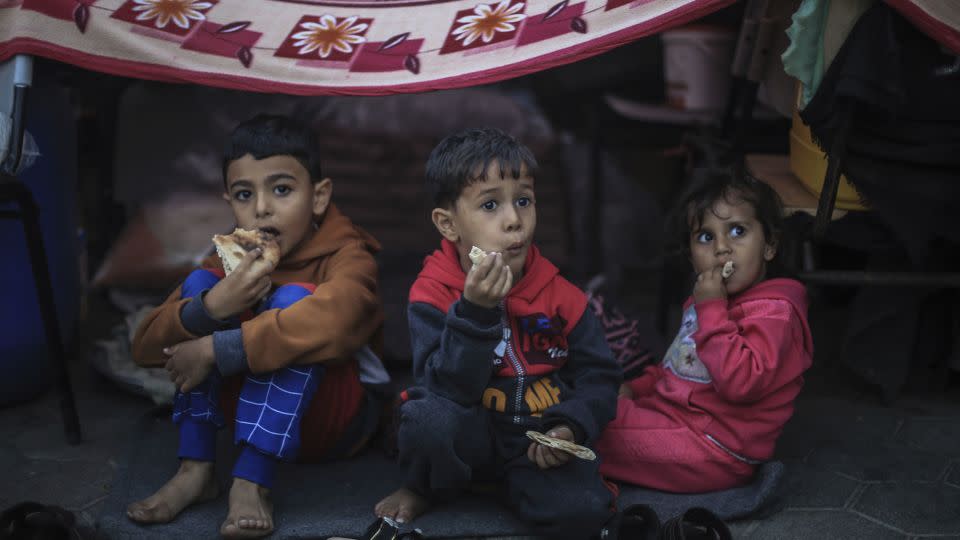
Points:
(809, 164)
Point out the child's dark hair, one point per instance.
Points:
(463, 158)
(733, 188)
(266, 135)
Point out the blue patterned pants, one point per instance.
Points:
(270, 409)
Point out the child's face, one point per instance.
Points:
(495, 214)
(276, 195)
(730, 231)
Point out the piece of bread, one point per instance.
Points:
(573, 449)
(477, 255)
(232, 247)
(727, 270)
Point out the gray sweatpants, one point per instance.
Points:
(444, 446)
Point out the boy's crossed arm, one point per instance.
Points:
(189, 361)
(164, 327)
(328, 326)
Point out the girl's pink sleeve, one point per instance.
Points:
(750, 358)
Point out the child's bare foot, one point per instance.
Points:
(250, 514)
(193, 483)
(403, 506)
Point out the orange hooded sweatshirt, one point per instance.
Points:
(342, 315)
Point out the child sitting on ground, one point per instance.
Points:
(499, 348)
(273, 346)
(705, 417)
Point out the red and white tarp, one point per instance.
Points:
(365, 47)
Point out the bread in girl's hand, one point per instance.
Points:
(727, 270)
(232, 247)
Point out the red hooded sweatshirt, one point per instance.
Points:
(735, 368)
(538, 360)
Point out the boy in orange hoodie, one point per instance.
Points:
(276, 348)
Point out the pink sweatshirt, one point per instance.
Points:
(736, 380)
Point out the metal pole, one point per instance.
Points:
(20, 69)
(12, 189)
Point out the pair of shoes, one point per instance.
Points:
(695, 524)
(637, 522)
(387, 529)
(640, 522)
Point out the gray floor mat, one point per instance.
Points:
(336, 499)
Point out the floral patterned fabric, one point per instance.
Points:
(309, 47)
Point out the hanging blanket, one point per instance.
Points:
(311, 47)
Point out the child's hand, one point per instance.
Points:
(546, 457)
(488, 282)
(710, 285)
(190, 362)
(244, 287)
(625, 391)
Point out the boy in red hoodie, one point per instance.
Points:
(705, 417)
(274, 347)
(500, 348)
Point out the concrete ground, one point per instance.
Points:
(855, 468)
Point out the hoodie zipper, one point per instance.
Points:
(517, 366)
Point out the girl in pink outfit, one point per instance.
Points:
(704, 418)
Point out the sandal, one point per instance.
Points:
(636, 522)
(382, 529)
(695, 524)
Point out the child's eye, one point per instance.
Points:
(704, 238)
(489, 206)
(242, 195)
(737, 231)
(281, 190)
(524, 202)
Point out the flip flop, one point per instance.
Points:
(695, 524)
(636, 522)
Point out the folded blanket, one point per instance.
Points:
(337, 499)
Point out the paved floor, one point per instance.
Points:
(856, 468)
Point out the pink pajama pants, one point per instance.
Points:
(648, 448)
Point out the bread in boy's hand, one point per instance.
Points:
(727, 270)
(477, 255)
(232, 247)
(574, 449)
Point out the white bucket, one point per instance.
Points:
(697, 64)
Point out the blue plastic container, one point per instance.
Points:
(24, 359)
